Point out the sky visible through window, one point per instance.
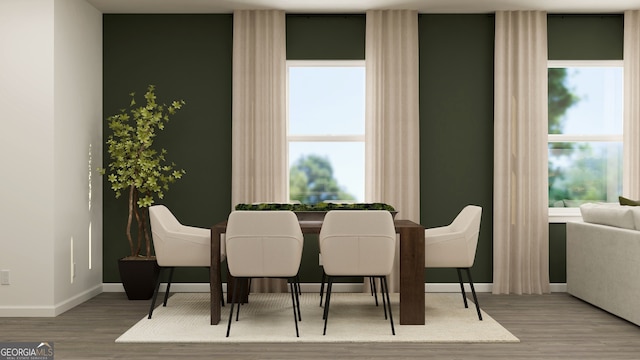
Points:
(329, 101)
(599, 109)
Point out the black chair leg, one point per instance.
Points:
(166, 293)
(385, 290)
(371, 284)
(473, 291)
(233, 302)
(324, 278)
(242, 292)
(155, 294)
(296, 289)
(294, 294)
(384, 302)
(464, 294)
(326, 305)
(374, 290)
(247, 292)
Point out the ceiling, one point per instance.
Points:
(360, 6)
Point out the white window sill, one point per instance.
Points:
(564, 215)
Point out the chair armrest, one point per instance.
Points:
(442, 237)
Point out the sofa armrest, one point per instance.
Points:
(602, 267)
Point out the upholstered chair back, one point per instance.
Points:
(454, 245)
(263, 244)
(358, 242)
(176, 244)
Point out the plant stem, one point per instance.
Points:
(136, 212)
(130, 218)
(145, 216)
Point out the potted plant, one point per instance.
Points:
(141, 172)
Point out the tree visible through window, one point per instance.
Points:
(326, 130)
(585, 132)
(312, 181)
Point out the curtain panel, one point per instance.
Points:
(520, 226)
(258, 170)
(392, 117)
(631, 156)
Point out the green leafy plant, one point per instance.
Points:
(136, 167)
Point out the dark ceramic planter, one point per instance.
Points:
(139, 277)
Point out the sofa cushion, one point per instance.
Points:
(609, 214)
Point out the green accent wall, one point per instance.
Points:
(557, 253)
(456, 128)
(585, 37)
(326, 37)
(190, 57)
(187, 57)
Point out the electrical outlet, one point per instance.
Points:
(4, 277)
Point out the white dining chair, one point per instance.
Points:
(454, 246)
(264, 244)
(177, 245)
(358, 243)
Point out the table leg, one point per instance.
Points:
(412, 276)
(243, 294)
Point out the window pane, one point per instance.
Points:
(585, 100)
(326, 100)
(326, 171)
(584, 171)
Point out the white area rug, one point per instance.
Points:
(353, 317)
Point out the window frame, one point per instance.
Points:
(352, 138)
(563, 215)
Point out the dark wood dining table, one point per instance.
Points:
(411, 269)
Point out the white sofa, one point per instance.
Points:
(603, 259)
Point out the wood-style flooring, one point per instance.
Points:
(555, 326)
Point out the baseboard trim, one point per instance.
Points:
(338, 287)
(77, 300)
(50, 311)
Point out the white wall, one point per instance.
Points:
(44, 152)
(77, 152)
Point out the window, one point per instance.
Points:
(325, 117)
(585, 133)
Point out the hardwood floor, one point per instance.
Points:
(556, 326)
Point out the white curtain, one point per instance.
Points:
(520, 218)
(631, 183)
(392, 118)
(258, 170)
